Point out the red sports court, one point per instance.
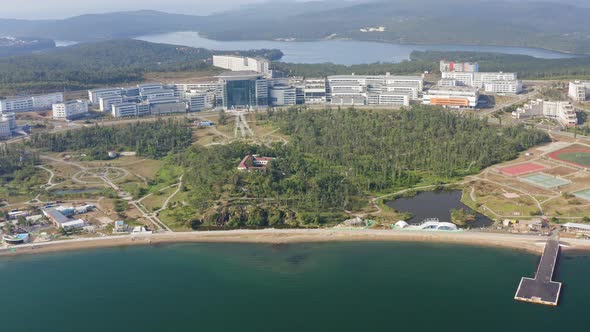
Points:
(521, 169)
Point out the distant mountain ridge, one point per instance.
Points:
(555, 26)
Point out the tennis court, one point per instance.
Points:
(544, 180)
(584, 194)
(521, 169)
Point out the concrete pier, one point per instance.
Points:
(542, 289)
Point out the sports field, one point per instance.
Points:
(521, 169)
(544, 180)
(585, 194)
(578, 155)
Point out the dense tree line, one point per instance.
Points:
(335, 158)
(18, 175)
(13, 160)
(149, 139)
(527, 67)
(104, 63)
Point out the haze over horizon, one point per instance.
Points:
(60, 9)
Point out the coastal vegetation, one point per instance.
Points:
(335, 161)
(153, 139)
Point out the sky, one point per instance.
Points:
(52, 9)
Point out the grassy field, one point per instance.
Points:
(580, 158)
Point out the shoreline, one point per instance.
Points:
(528, 243)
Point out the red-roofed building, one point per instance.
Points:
(255, 162)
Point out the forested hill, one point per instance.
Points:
(148, 139)
(550, 24)
(336, 159)
(110, 62)
(527, 67)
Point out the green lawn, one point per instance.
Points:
(581, 158)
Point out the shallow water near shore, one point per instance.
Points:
(357, 286)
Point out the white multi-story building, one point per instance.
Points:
(124, 110)
(105, 102)
(16, 104)
(490, 82)
(579, 91)
(314, 91)
(30, 103)
(357, 90)
(198, 101)
(238, 63)
(44, 102)
(70, 110)
(157, 93)
(455, 97)
(450, 66)
(503, 87)
(5, 130)
(7, 124)
(95, 95)
(283, 95)
(562, 111)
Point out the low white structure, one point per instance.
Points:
(452, 96)
(106, 102)
(70, 110)
(95, 95)
(427, 225)
(562, 111)
(576, 228)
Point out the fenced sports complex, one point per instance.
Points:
(584, 194)
(544, 180)
(577, 155)
(521, 169)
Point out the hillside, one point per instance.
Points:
(111, 62)
(551, 25)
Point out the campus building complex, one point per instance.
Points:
(579, 91)
(70, 110)
(562, 111)
(373, 90)
(238, 63)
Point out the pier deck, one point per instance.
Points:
(542, 289)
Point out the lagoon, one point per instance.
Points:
(346, 52)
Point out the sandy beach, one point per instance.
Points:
(530, 243)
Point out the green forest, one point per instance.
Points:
(17, 166)
(527, 67)
(148, 139)
(104, 63)
(335, 161)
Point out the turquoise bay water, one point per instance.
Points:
(303, 287)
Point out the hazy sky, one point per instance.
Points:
(42, 9)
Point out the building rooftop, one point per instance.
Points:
(236, 75)
(576, 225)
(57, 216)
